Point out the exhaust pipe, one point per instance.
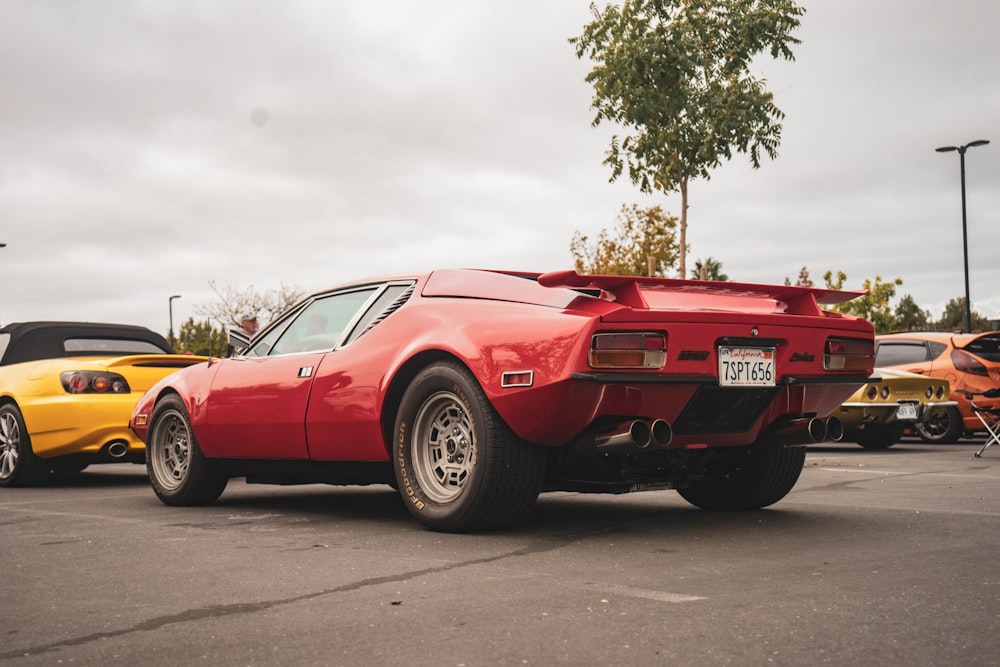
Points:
(804, 431)
(117, 449)
(834, 430)
(661, 432)
(636, 434)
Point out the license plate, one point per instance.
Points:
(746, 367)
(906, 411)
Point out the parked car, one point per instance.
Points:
(878, 413)
(67, 390)
(969, 362)
(471, 391)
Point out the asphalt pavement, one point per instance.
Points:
(876, 557)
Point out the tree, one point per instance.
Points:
(643, 233)
(910, 317)
(873, 306)
(201, 338)
(804, 279)
(676, 75)
(711, 267)
(233, 304)
(953, 317)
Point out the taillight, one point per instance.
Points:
(848, 354)
(871, 393)
(94, 382)
(939, 394)
(966, 363)
(929, 392)
(628, 350)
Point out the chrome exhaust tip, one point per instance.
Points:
(662, 432)
(117, 449)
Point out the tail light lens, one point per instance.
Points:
(628, 350)
(872, 392)
(849, 354)
(94, 382)
(885, 392)
(966, 363)
(939, 393)
(929, 393)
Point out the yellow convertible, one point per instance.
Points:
(67, 390)
(892, 401)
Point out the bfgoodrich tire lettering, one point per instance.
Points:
(18, 464)
(178, 472)
(763, 477)
(458, 466)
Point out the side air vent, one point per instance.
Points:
(396, 304)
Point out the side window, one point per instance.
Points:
(896, 354)
(322, 323)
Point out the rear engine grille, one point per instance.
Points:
(723, 410)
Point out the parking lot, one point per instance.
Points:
(876, 557)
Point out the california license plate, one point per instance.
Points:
(906, 411)
(746, 367)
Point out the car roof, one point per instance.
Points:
(31, 341)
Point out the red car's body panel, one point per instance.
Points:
(339, 404)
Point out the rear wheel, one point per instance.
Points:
(458, 466)
(178, 472)
(942, 428)
(18, 464)
(761, 477)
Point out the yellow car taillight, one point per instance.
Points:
(848, 354)
(628, 350)
(93, 382)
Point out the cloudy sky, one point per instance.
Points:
(153, 148)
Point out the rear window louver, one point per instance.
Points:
(389, 310)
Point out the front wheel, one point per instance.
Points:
(178, 472)
(943, 427)
(458, 466)
(18, 464)
(757, 477)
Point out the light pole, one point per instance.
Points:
(965, 234)
(170, 305)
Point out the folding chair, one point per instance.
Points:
(990, 417)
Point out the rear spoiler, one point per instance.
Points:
(627, 290)
(157, 360)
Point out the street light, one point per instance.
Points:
(170, 305)
(965, 234)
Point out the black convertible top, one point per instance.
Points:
(31, 341)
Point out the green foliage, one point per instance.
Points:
(641, 233)
(873, 306)
(201, 338)
(953, 317)
(676, 74)
(711, 267)
(910, 317)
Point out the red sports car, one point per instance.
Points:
(472, 391)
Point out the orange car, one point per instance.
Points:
(970, 362)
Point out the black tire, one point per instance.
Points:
(879, 438)
(458, 466)
(18, 464)
(762, 477)
(179, 473)
(942, 428)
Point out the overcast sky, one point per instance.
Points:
(150, 148)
